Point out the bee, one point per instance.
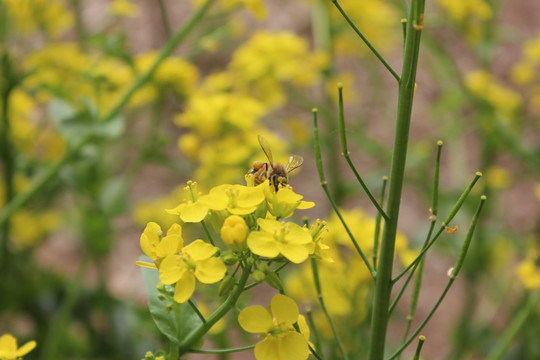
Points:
(275, 172)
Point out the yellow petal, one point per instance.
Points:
(284, 309)
(268, 349)
(210, 271)
(298, 235)
(145, 264)
(150, 238)
(169, 245)
(195, 212)
(306, 205)
(171, 269)
(255, 319)
(269, 225)
(199, 250)
(263, 244)
(184, 287)
(8, 346)
(293, 346)
(26, 348)
(249, 196)
(294, 252)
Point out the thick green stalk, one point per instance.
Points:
(383, 281)
(21, 199)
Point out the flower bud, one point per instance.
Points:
(274, 281)
(226, 285)
(228, 257)
(263, 267)
(258, 276)
(234, 232)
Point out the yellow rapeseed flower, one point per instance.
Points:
(9, 349)
(236, 199)
(191, 210)
(282, 203)
(195, 261)
(157, 247)
(280, 238)
(281, 340)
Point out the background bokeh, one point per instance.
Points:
(68, 274)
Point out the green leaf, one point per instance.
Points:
(163, 315)
(74, 123)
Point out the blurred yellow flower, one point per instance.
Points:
(483, 85)
(29, 16)
(528, 272)
(498, 177)
(9, 349)
(195, 261)
(281, 340)
(124, 8)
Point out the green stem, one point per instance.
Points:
(366, 41)
(453, 273)
(196, 309)
(56, 333)
(346, 154)
(222, 310)
(7, 155)
(519, 320)
(166, 22)
(320, 169)
(450, 216)
(412, 272)
(383, 282)
(318, 287)
(314, 331)
(223, 351)
(207, 232)
(421, 341)
(377, 232)
(51, 172)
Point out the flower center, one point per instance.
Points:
(233, 196)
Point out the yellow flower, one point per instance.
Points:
(196, 260)
(234, 232)
(529, 273)
(124, 8)
(280, 238)
(9, 349)
(316, 247)
(281, 340)
(237, 199)
(156, 247)
(192, 210)
(282, 203)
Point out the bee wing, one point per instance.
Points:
(294, 162)
(265, 145)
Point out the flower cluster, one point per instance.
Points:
(253, 236)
